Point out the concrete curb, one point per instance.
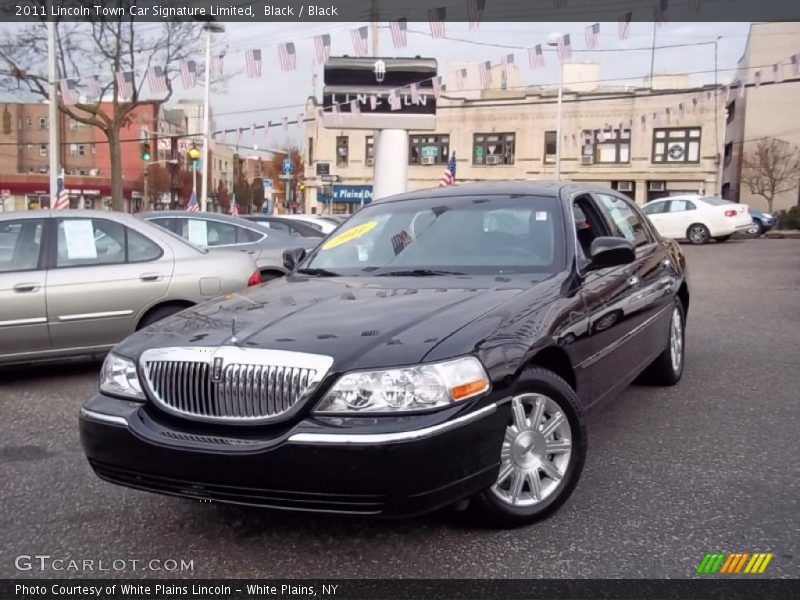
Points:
(770, 235)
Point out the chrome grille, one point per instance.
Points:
(229, 383)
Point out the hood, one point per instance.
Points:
(360, 322)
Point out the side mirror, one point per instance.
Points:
(611, 252)
(293, 257)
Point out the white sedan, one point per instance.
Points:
(315, 221)
(698, 218)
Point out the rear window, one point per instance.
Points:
(716, 201)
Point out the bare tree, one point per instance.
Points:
(771, 169)
(100, 48)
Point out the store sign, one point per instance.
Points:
(323, 169)
(352, 194)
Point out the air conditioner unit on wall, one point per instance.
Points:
(428, 160)
(587, 159)
(493, 159)
(624, 186)
(656, 186)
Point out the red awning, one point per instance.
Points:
(40, 184)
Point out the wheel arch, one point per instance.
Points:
(555, 359)
(180, 304)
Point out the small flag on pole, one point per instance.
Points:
(398, 29)
(301, 118)
(461, 79)
(643, 122)
(285, 123)
(742, 87)
(266, 129)
(485, 71)
(777, 72)
(593, 36)
(668, 112)
(437, 86)
(695, 102)
(125, 84)
(322, 46)
(415, 95)
(727, 93)
(355, 109)
(62, 195)
(337, 114)
(253, 132)
(449, 175)
(475, 12)
(188, 74)
(564, 48)
(796, 64)
(216, 66)
(395, 102)
(681, 110)
(509, 64)
(69, 92)
(436, 17)
(238, 137)
(234, 206)
(757, 78)
(157, 80)
(625, 25)
(288, 56)
(360, 35)
(373, 102)
(252, 61)
(536, 57)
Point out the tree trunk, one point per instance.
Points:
(115, 152)
(769, 204)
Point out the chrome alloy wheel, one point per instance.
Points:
(535, 453)
(676, 339)
(697, 234)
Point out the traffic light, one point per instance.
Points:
(144, 151)
(194, 155)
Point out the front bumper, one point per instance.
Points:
(396, 469)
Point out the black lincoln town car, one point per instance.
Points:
(440, 346)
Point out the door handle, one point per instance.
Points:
(23, 288)
(151, 277)
(633, 281)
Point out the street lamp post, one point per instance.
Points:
(209, 28)
(553, 42)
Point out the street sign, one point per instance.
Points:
(323, 169)
(286, 176)
(267, 182)
(331, 178)
(287, 165)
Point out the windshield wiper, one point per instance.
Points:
(417, 273)
(319, 272)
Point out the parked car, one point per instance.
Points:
(315, 221)
(762, 222)
(428, 352)
(76, 282)
(293, 227)
(224, 232)
(698, 219)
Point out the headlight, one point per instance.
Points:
(119, 377)
(407, 388)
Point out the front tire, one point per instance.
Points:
(698, 234)
(542, 454)
(667, 368)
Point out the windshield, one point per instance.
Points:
(467, 234)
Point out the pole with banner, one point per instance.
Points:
(267, 195)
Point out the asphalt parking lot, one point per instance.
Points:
(710, 465)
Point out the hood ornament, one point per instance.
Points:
(233, 339)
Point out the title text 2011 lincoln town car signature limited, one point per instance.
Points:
(439, 346)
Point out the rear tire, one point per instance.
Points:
(755, 228)
(540, 462)
(723, 238)
(667, 368)
(698, 234)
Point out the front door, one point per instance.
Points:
(23, 280)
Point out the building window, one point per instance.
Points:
(550, 147)
(728, 153)
(28, 122)
(679, 145)
(42, 149)
(94, 148)
(369, 150)
(608, 145)
(42, 123)
(730, 111)
(73, 124)
(77, 150)
(310, 151)
(493, 149)
(429, 149)
(342, 150)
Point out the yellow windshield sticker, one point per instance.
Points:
(350, 234)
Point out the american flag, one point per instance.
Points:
(398, 29)
(485, 71)
(193, 205)
(643, 121)
(93, 83)
(69, 92)
(234, 206)
(796, 64)
(681, 110)
(564, 48)
(216, 66)
(742, 87)
(757, 78)
(395, 102)
(624, 24)
(266, 129)
(415, 95)
(301, 118)
(475, 12)
(660, 11)
(373, 102)
(461, 79)
(285, 123)
(668, 112)
(777, 72)
(239, 137)
(360, 36)
(355, 109)
(696, 5)
(188, 74)
(593, 36)
(125, 84)
(436, 17)
(695, 102)
(449, 175)
(322, 46)
(62, 195)
(536, 57)
(509, 63)
(157, 80)
(252, 62)
(437, 86)
(253, 132)
(337, 114)
(727, 93)
(288, 56)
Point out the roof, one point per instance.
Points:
(197, 215)
(538, 188)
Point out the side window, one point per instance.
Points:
(141, 249)
(220, 234)
(169, 224)
(588, 224)
(680, 206)
(279, 226)
(84, 242)
(246, 235)
(20, 244)
(627, 223)
(655, 208)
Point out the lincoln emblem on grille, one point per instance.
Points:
(216, 370)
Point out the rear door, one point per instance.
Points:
(23, 280)
(682, 214)
(658, 213)
(102, 276)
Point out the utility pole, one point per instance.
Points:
(374, 18)
(209, 28)
(53, 111)
(653, 55)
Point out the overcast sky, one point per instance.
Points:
(277, 94)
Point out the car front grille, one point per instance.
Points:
(231, 384)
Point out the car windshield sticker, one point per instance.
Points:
(79, 235)
(400, 241)
(541, 215)
(198, 232)
(350, 234)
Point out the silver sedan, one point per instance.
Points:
(77, 282)
(216, 231)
